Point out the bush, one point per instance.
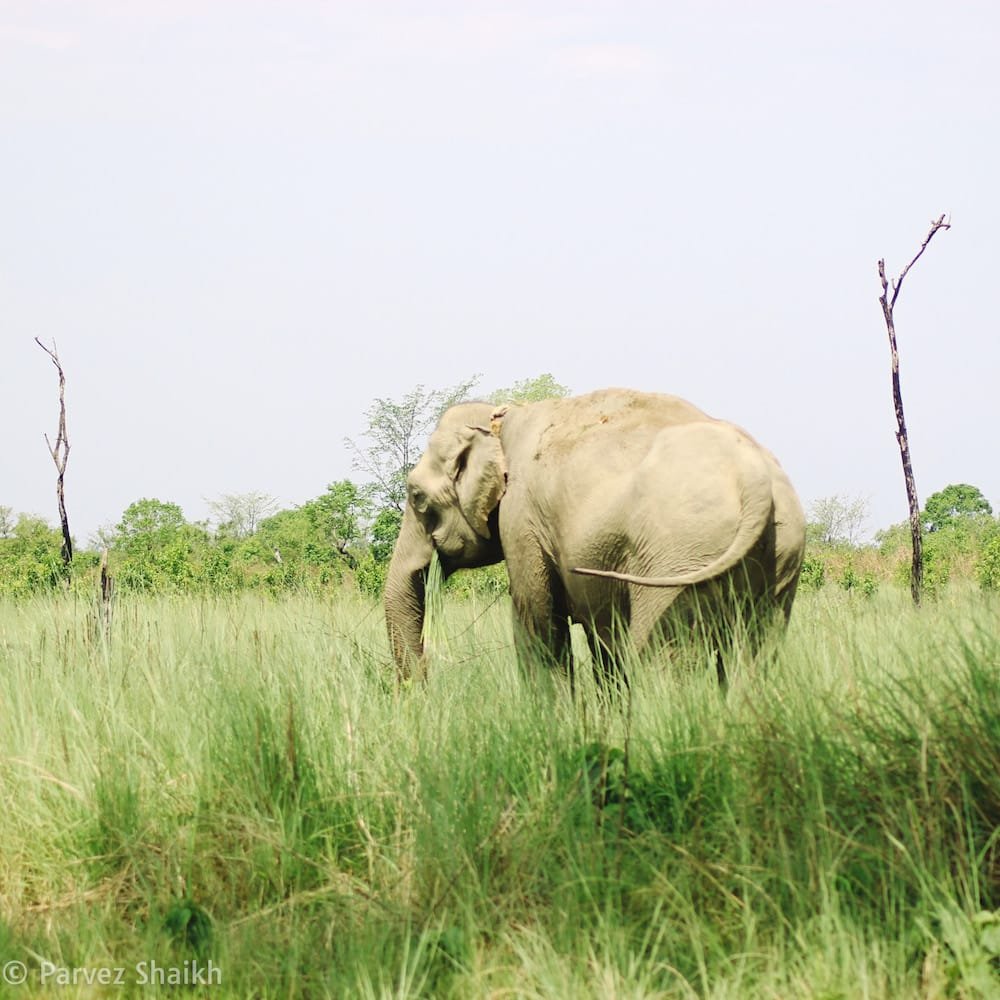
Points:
(31, 559)
(865, 583)
(813, 574)
(369, 575)
(988, 564)
(487, 581)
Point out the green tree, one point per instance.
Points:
(953, 505)
(339, 515)
(837, 520)
(239, 514)
(370, 569)
(384, 532)
(531, 390)
(988, 564)
(288, 538)
(396, 434)
(30, 557)
(157, 550)
(146, 523)
(314, 543)
(958, 529)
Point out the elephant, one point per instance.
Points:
(622, 510)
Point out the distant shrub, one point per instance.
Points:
(30, 558)
(369, 575)
(864, 583)
(940, 552)
(813, 574)
(988, 565)
(487, 581)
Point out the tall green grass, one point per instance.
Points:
(241, 781)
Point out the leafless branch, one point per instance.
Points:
(897, 284)
(60, 455)
(887, 303)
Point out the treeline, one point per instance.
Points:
(343, 537)
(154, 549)
(346, 535)
(961, 541)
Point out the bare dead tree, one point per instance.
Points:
(888, 304)
(60, 454)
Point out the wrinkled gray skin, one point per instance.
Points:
(612, 509)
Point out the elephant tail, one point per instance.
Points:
(757, 513)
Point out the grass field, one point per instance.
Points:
(235, 789)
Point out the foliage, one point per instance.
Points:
(339, 515)
(148, 523)
(30, 557)
(941, 550)
(487, 582)
(531, 390)
(239, 781)
(988, 564)
(837, 520)
(384, 531)
(323, 531)
(958, 530)
(953, 504)
(864, 583)
(326, 533)
(239, 514)
(155, 549)
(395, 436)
(813, 574)
(893, 539)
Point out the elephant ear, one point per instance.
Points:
(480, 478)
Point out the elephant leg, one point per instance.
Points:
(649, 608)
(606, 656)
(542, 641)
(541, 619)
(679, 623)
(733, 624)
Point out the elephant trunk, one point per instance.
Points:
(404, 594)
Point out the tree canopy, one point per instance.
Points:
(395, 436)
(239, 514)
(837, 520)
(954, 503)
(531, 390)
(148, 522)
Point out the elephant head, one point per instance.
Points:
(452, 497)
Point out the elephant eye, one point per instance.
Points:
(418, 500)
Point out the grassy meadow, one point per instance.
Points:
(236, 785)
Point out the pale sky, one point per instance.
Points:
(243, 221)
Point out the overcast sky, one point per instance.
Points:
(241, 222)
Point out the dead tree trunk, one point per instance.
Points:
(60, 454)
(107, 595)
(888, 303)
